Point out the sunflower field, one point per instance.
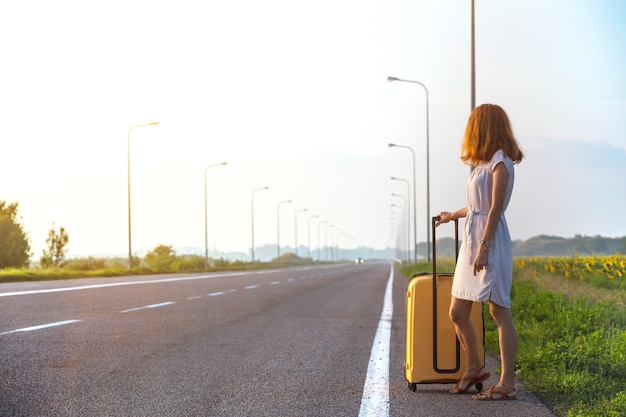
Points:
(601, 271)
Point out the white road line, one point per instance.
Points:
(375, 400)
(41, 326)
(213, 294)
(249, 287)
(149, 306)
(197, 297)
(274, 282)
(118, 284)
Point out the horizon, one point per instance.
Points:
(197, 250)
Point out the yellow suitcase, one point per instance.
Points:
(433, 352)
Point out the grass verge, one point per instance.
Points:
(572, 342)
(116, 270)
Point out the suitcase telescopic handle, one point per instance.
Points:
(435, 310)
(435, 219)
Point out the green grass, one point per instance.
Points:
(572, 348)
(572, 351)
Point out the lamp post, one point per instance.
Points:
(405, 210)
(295, 215)
(206, 234)
(130, 251)
(408, 237)
(391, 145)
(336, 246)
(401, 233)
(408, 216)
(319, 242)
(278, 227)
(391, 79)
(252, 214)
(308, 234)
(326, 241)
(393, 234)
(473, 65)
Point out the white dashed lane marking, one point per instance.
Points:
(166, 303)
(41, 326)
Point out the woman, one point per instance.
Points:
(484, 270)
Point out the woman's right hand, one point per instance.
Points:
(444, 217)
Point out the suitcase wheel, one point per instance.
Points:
(479, 386)
(413, 386)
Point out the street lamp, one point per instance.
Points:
(473, 65)
(391, 79)
(401, 233)
(296, 228)
(319, 242)
(308, 234)
(278, 227)
(392, 235)
(391, 145)
(331, 226)
(405, 209)
(334, 251)
(206, 234)
(408, 216)
(252, 215)
(130, 252)
(403, 216)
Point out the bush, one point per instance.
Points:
(161, 258)
(188, 263)
(86, 264)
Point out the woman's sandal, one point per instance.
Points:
(495, 394)
(475, 380)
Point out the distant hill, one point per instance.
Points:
(536, 246)
(578, 245)
(552, 246)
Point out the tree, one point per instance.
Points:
(54, 255)
(14, 242)
(621, 248)
(161, 258)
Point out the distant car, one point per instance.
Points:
(358, 261)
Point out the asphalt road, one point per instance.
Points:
(314, 341)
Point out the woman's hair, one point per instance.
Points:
(489, 130)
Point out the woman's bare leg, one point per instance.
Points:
(460, 311)
(508, 343)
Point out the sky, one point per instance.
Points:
(293, 96)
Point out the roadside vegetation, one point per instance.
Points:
(162, 259)
(159, 261)
(570, 315)
(15, 257)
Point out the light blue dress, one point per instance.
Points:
(494, 282)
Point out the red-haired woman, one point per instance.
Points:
(484, 270)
